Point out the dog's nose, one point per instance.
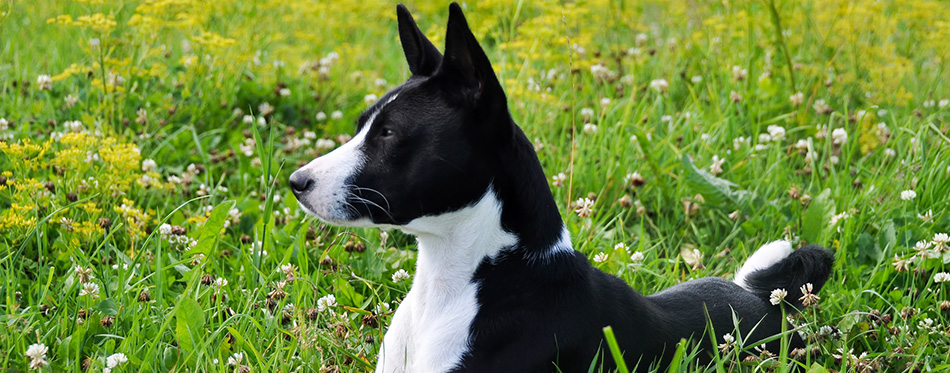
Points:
(300, 182)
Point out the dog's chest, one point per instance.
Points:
(430, 330)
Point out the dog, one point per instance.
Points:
(498, 286)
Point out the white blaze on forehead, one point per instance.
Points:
(372, 117)
(330, 173)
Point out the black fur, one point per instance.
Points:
(448, 138)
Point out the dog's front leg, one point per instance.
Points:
(394, 354)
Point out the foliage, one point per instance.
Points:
(144, 146)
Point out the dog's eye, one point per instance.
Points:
(387, 132)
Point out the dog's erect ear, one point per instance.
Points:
(465, 62)
(422, 56)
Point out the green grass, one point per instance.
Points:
(85, 201)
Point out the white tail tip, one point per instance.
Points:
(766, 256)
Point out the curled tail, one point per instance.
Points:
(776, 266)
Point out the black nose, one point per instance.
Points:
(300, 182)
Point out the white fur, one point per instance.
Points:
(766, 256)
(430, 330)
(563, 245)
(327, 200)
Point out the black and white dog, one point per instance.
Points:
(498, 286)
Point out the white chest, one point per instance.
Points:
(427, 334)
(430, 329)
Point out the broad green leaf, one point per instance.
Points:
(817, 368)
(868, 250)
(211, 230)
(816, 218)
(715, 191)
(189, 326)
(108, 307)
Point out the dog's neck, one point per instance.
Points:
(452, 245)
(516, 215)
(529, 210)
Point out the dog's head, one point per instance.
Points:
(425, 148)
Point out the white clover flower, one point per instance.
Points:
(401, 275)
(91, 289)
(141, 116)
(587, 113)
(620, 246)
(236, 358)
(666, 118)
(940, 242)
(590, 128)
(115, 359)
(822, 131)
(739, 73)
(941, 239)
(777, 296)
(797, 99)
(248, 119)
(265, 109)
(641, 39)
(37, 354)
(943, 103)
(336, 115)
(94, 43)
(261, 121)
(821, 107)
(637, 257)
(601, 72)
(802, 144)
(890, 153)
(777, 132)
(4, 124)
(220, 282)
(942, 277)
(71, 101)
(585, 207)
(735, 96)
(381, 308)
(908, 195)
(149, 165)
(727, 341)
(74, 126)
(600, 257)
(284, 92)
(559, 179)
(659, 85)
(325, 145)
(380, 83)
(325, 302)
(837, 218)
(839, 136)
(370, 99)
(44, 82)
(696, 79)
(716, 167)
(36, 351)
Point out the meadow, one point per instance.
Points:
(146, 225)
